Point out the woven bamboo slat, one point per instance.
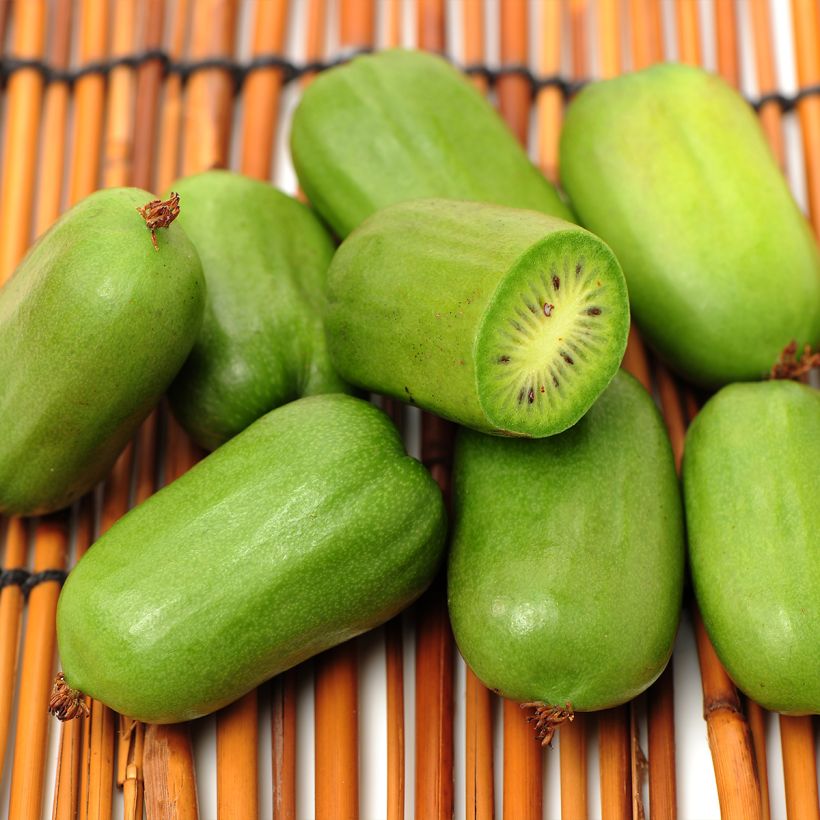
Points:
(137, 124)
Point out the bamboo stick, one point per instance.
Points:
(434, 658)
(393, 27)
(357, 23)
(89, 101)
(806, 24)
(728, 62)
(395, 719)
(431, 25)
(514, 90)
(647, 33)
(207, 113)
(237, 740)
(479, 749)
(167, 755)
(573, 747)
(149, 82)
(55, 120)
(263, 89)
(71, 791)
(687, 16)
(729, 737)
(170, 126)
(5, 5)
(37, 673)
(473, 25)
(120, 108)
(771, 117)
(170, 787)
(756, 715)
(336, 710)
(11, 611)
(549, 102)
(522, 795)
(23, 99)
(799, 767)
(283, 759)
(614, 756)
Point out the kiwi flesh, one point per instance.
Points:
(545, 343)
(503, 320)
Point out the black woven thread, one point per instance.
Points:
(28, 580)
(291, 70)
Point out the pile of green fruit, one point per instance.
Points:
(464, 285)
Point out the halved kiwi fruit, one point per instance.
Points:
(504, 320)
(552, 336)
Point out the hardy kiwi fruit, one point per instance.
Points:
(566, 564)
(671, 168)
(503, 320)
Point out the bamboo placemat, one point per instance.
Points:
(110, 92)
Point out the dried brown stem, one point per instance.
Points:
(547, 719)
(159, 213)
(792, 366)
(66, 703)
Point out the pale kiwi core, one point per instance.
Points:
(553, 336)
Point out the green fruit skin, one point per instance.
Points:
(753, 519)
(566, 564)
(306, 529)
(262, 344)
(404, 125)
(410, 288)
(94, 325)
(670, 167)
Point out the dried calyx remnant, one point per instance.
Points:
(66, 703)
(159, 213)
(788, 366)
(547, 719)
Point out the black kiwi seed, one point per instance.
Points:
(567, 358)
(531, 396)
(503, 359)
(594, 311)
(556, 282)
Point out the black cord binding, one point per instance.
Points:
(28, 580)
(293, 71)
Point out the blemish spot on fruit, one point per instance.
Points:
(548, 308)
(567, 358)
(594, 311)
(556, 282)
(531, 396)
(501, 360)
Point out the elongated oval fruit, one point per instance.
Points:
(671, 168)
(750, 471)
(504, 320)
(566, 563)
(262, 344)
(94, 325)
(306, 529)
(402, 125)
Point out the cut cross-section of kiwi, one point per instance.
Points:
(507, 321)
(552, 335)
